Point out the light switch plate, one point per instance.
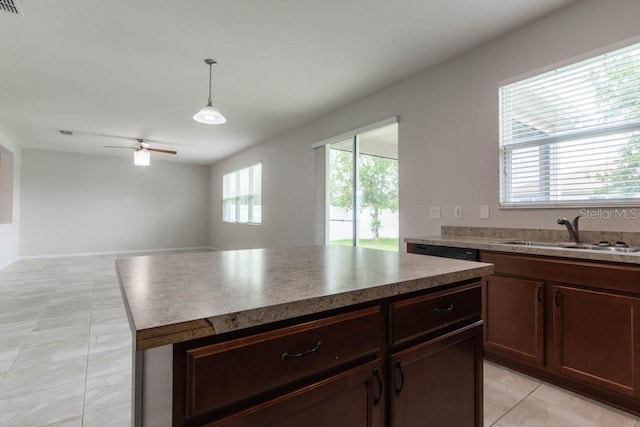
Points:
(434, 212)
(484, 211)
(457, 212)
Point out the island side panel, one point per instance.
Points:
(153, 407)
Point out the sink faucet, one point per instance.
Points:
(574, 235)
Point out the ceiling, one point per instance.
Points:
(135, 68)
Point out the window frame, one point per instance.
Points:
(551, 142)
(251, 196)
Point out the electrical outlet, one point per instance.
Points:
(457, 212)
(484, 211)
(434, 212)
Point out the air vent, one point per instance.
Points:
(10, 6)
(62, 131)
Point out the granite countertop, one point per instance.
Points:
(179, 297)
(494, 244)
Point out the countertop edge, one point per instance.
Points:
(229, 322)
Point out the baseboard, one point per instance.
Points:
(137, 251)
(7, 264)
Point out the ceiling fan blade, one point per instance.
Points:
(118, 146)
(105, 135)
(155, 141)
(157, 150)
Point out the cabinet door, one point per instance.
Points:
(513, 314)
(353, 398)
(439, 382)
(596, 338)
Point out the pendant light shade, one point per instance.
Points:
(209, 114)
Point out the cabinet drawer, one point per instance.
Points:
(228, 372)
(414, 317)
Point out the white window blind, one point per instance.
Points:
(242, 195)
(571, 136)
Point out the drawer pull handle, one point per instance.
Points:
(376, 375)
(444, 310)
(312, 350)
(398, 388)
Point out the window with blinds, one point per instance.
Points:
(242, 195)
(571, 136)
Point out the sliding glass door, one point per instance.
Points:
(362, 190)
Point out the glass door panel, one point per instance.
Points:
(340, 194)
(377, 195)
(362, 190)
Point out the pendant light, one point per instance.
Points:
(209, 114)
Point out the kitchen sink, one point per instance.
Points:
(530, 243)
(571, 245)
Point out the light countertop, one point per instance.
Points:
(178, 297)
(493, 244)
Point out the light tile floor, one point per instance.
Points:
(65, 344)
(65, 357)
(513, 399)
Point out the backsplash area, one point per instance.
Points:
(543, 235)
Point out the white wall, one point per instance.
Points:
(75, 203)
(288, 196)
(9, 233)
(448, 136)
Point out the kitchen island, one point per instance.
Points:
(221, 338)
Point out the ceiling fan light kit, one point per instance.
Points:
(142, 153)
(141, 157)
(209, 114)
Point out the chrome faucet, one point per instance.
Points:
(573, 229)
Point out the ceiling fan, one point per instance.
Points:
(142, 155)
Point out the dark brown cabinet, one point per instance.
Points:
(222, 373)
(514, 317)
(439, 382)
(571, 322)
(402, 362)
(351, 398)
(596, 338)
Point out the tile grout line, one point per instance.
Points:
(27, 283)
(546, 402)
(86, 371)
(25, 393)
(585, 399)
(24, 284)
(22, 347)
(516, 405)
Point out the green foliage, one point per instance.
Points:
(378, 187)
(617, 94)
(341, 179)
(383, 243)
(378, 184)
(625, 179)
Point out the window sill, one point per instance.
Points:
(242, 223)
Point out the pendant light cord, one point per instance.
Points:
(210, 66)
